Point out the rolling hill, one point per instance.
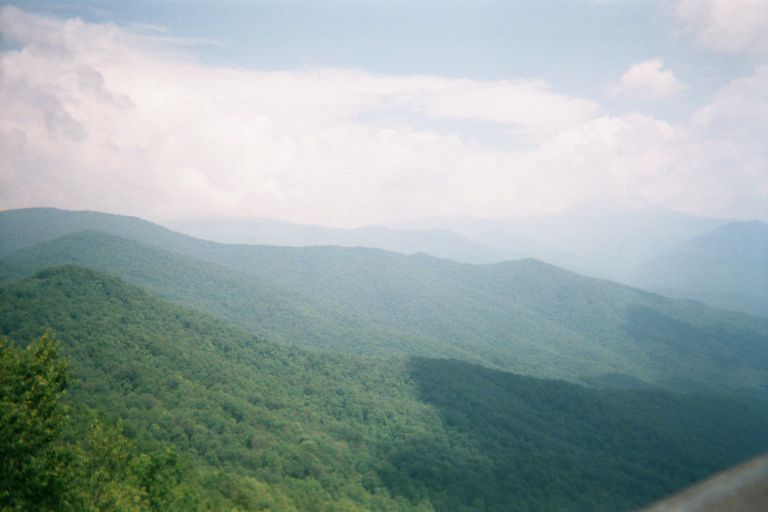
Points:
(256, 305)
(268, 426)
(523, 316)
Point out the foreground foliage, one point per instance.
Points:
(52, 461)
(34, 465)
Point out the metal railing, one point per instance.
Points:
(743, 488)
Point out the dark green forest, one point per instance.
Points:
(203, 415)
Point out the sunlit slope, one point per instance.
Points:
(331, 430)
(252, 303)
(264, 306)
(522, 315)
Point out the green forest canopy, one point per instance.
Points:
(259, 426)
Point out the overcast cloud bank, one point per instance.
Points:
(98, 116)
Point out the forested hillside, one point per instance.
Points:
(523, 316)
(255, 304)
(270, 427)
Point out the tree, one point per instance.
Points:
(107, 483)
(100, 470)
(34, 467)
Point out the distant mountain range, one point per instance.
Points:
(524, 316)
(623, 247)
(603, 245)
(727, 267)
(436, 242)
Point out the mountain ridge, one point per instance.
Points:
(726, 268)
(521, 316)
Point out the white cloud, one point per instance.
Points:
(647, 81)
(730, 26)
(740, 107)
(99, 117)
(731, 133)
(530, 105)
(628, 160)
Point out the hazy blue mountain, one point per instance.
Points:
(609, 246)
(602, 245)
(524, 316)
(289, 429)
(437, 242)
(727, 268)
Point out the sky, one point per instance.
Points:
(349, 113)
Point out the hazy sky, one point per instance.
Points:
(357, 112)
